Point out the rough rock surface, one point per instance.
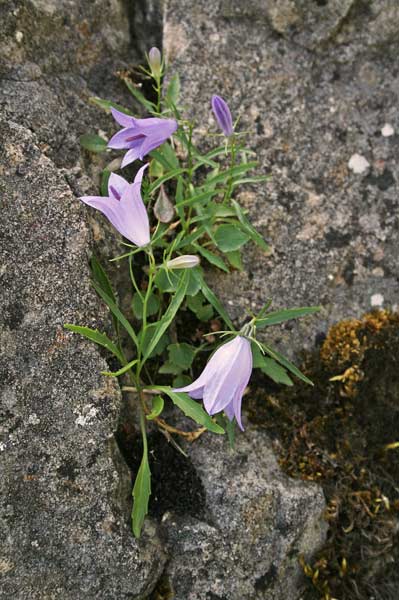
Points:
(64, 514)
(257, 522)
(316, 84)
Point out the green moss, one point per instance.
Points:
(338, 434)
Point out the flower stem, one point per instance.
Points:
(232, 163)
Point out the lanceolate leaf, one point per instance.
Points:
(93, 142)
(280, 316)
(141, 494)
(170, 175)
(150, 106)
(269, 367)
(116, 312)
(191, 408)
(169, 315)
(212, 299)
(101, 277)
(95, 336)
(107, 105)
(286, 363)
(232, 172)
(249, 229)
(214, 259)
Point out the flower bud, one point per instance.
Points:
(155, 60)
(187, 261)
(163, 207)
(222, 115)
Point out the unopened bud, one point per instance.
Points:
(155, 60)
(187, 261)
(163, 207)
(222, 115)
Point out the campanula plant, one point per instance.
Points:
(179, 210)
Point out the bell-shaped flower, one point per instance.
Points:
(124, 207)
(139, 136)
(222, 115)
(222, 383)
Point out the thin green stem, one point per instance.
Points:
(152, 269)
(232, 164)
(133, 279)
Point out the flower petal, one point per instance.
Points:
(123, 139)
(116, 186)
(136, 224)
(235, 376)
(131, 156)
(122, 118)
(109, 207)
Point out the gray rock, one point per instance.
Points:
(257, 523)
(334, 232)
(64, 517)
(65, 491)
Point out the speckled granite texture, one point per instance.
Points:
(316, 85)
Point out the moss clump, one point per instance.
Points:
(343, 433)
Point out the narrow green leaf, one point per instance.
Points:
(212, 299)
(286, 363)
(169, 315)
(229, 237)
(249, 229)
(169, 175)
(232, 172)
(269, 367)
(95, 336)
(156, 408)
(116, 312)
(161, 344)
(256, 179)
(150, 106)
(141, 494)
(198, 198)
(101, 277)
(121, 371)
(190, 238)
(214, 259)
(166, 156)
(280, 316)
(93, 142)
(107, 105)
(191, 408)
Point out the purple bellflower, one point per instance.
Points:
(139, 136)
(124, 208)
(222, 115)
(224, 379)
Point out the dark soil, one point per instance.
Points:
(344, 434)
